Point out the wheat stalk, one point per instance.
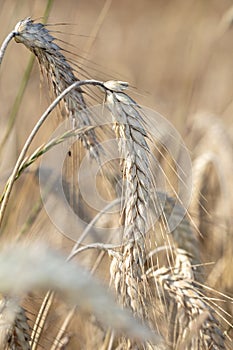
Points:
(6, 194)
(44, 148)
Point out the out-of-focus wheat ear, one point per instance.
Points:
(205, 168)
(59, 74)
(128, 267)
(208, 132)
(14, 329)
(186, 308)
(45, 269)
(183, 234)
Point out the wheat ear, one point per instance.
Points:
(59, 73)
(186, 308)
(127, 269)
(14, 329)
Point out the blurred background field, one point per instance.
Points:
(178, 58)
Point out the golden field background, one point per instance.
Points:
(178, 58)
